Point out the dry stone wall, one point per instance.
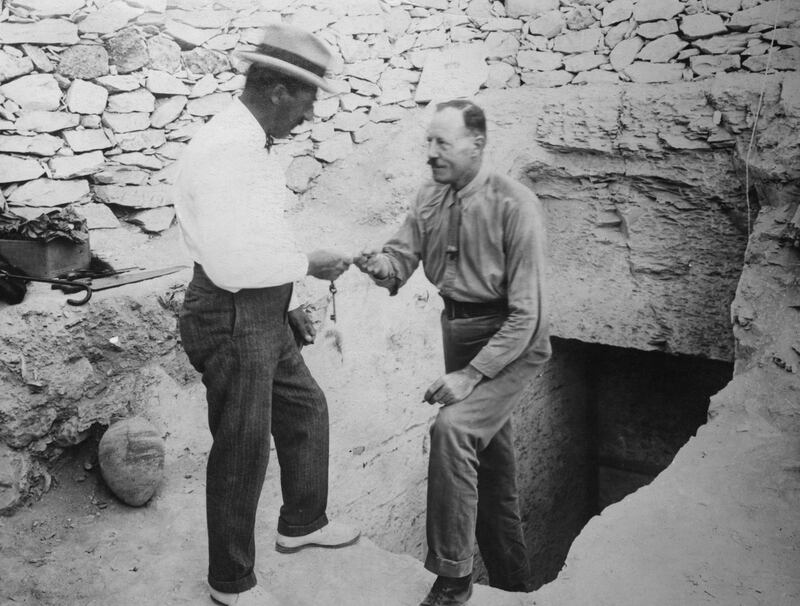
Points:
(98, 98)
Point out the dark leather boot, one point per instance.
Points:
(449, 591)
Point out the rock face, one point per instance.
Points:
(131, 456)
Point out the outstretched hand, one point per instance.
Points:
(453, 387)
(327, 264)
(374, 263)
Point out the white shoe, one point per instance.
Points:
(333, 535)
(257, 596)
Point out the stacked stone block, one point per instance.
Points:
(98, 99)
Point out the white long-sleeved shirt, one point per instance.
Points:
(230, 197)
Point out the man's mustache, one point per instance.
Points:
(434, 163)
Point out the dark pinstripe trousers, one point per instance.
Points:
(256, 384)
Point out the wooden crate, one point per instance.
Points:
(46, 259)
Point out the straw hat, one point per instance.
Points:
(294, 52)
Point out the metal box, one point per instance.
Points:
(46, 259)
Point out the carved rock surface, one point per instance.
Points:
(131, 456)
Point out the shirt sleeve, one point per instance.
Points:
(524, 239)
(238, 225)
(404, 251)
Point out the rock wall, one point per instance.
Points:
(98, 99)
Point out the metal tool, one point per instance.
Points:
(333, 290)
(56, 284)
(128, 278)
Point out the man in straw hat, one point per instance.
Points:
(480, 238)
(235, 323)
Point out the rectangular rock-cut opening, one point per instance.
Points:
(599, 423)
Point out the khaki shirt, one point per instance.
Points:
(501, 257)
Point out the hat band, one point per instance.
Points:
(290, 57)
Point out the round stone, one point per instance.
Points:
(131, 456)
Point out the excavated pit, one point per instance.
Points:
(611, 421)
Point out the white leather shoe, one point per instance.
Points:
(257, 596)
(332, 536)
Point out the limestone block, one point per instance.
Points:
(46, 31)
(14, 169)
(596, 76)
(433, 39)
(141, 160)
(110, 18)
(501, 45)
(500, 74)
(532, 8)
(204, 61)
(784, 59)
(654, 10)
(785, 36)
(616, 11)
(724, 6)
(707, 65)
(162, 83)
(50, 8)
(144, 196)
(223, 42)
(119, 84)
(579, 42)
(322, 131)
(34, 92)
(655, 29)
(210, 105)
(301, 173)
(547, 79)
(186, 35)
(117, 175)
(79, 165)
(164, 54)
(548, 24)
(539, 60)
(126, 122)
(45, 121)
(202, 18)
(644, 71)
(458, 71)
(139, 100)
(312, 19)
(326, 108)
(131, 457)
(625, 52)
(128, 50)
(370, 70)
(98, 216)
(504, 24)
(86, 98)
(337, 147)
(350, 121)
(167, 111)
(234, 84)
(37, 145)
(85, 61)
(39, 58)
(140, 140)
(12, 67)
(702, 25)
(88, 139)
(154, 220)
(662, 49)
(436, 4)
(49, 192)
(619, 32)
(204, 86)
(583, 62)
(435, 21)
(364, 24)
(724, 45)
(778, 13)
(580, 17)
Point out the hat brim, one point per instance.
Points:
(289, 69)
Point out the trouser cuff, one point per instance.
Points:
(238, 586)
(448, 568)
(289, 530)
